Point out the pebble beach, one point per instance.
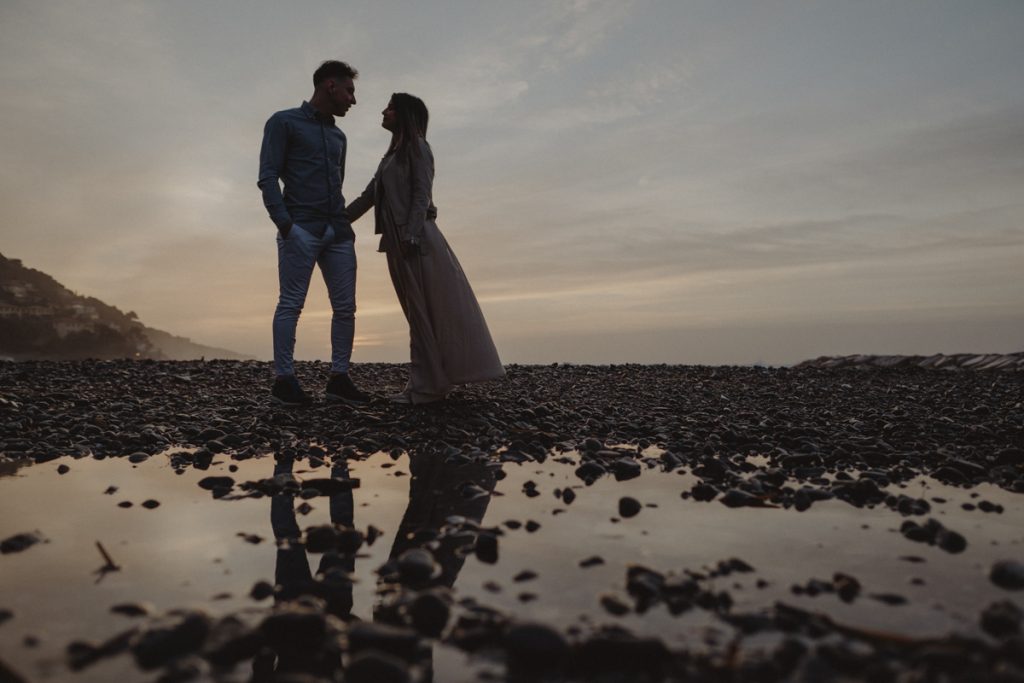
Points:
(856, 518)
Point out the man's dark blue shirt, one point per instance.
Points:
(305, 150)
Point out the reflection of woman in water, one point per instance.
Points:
(449, 340)
(436, 492)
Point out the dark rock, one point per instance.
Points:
(591, 561)
(416, 567)
(230, 641)
(132, 609)
(734, 498)
(535, 647)
(150, 504)
(295, 631)
(703, 492)
(429, 612)
(629, 507)
(1008, 574)
(63, 469)
(138, 457)
(377, 667)
(1001, 619)
(170, 638)
(846, 586)
(614, 605)
(211, 483)
(261, 590)
(625, 469)
(394, 640)
(486, 548)
(19, 542)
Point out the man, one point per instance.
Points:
(305, 150)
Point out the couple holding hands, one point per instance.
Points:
(304, 150)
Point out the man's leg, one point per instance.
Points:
(338, 264)
(296, 257)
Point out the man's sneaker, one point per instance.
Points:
(287, 392)
(340, 388)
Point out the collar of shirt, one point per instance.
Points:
(312, 113)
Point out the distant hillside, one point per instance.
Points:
(42, 319)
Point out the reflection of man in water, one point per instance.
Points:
(292, 574)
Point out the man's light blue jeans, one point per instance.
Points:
(296, 256)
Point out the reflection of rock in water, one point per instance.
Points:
(438, 490)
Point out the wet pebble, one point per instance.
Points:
(170, 638)
(261, 590)
(150, 504)
(63, 469)
(429, 613)
(20, 542)
(132, 609)
(534, 646)
(629, 507)
(377, 667)
(486, 549)
(1008, 574)
(417, 566)
(591, 561)
(1002, 619)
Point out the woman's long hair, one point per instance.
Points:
(411, 119)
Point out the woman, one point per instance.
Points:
(449, 340)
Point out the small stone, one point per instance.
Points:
(125, 504)
(568, 496)
(138, 457)
(63, 469)
(591, 561)
(1001, 619)
(613, 605)
(534, 647)
(487, 548)
(1008, 574)
(889, 598)
(629, 507)
(150, 504)
(525, 575)
(211, 483)
(261, 590)
(377, 667)
(532, 526)
(416, 566)
(19, 542)
(429, 613)
(132, 609)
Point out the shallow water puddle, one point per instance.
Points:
(196, 550)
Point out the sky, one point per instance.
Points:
(677, 181)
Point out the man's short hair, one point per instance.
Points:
(332, 68)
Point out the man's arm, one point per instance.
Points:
(272, 160)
